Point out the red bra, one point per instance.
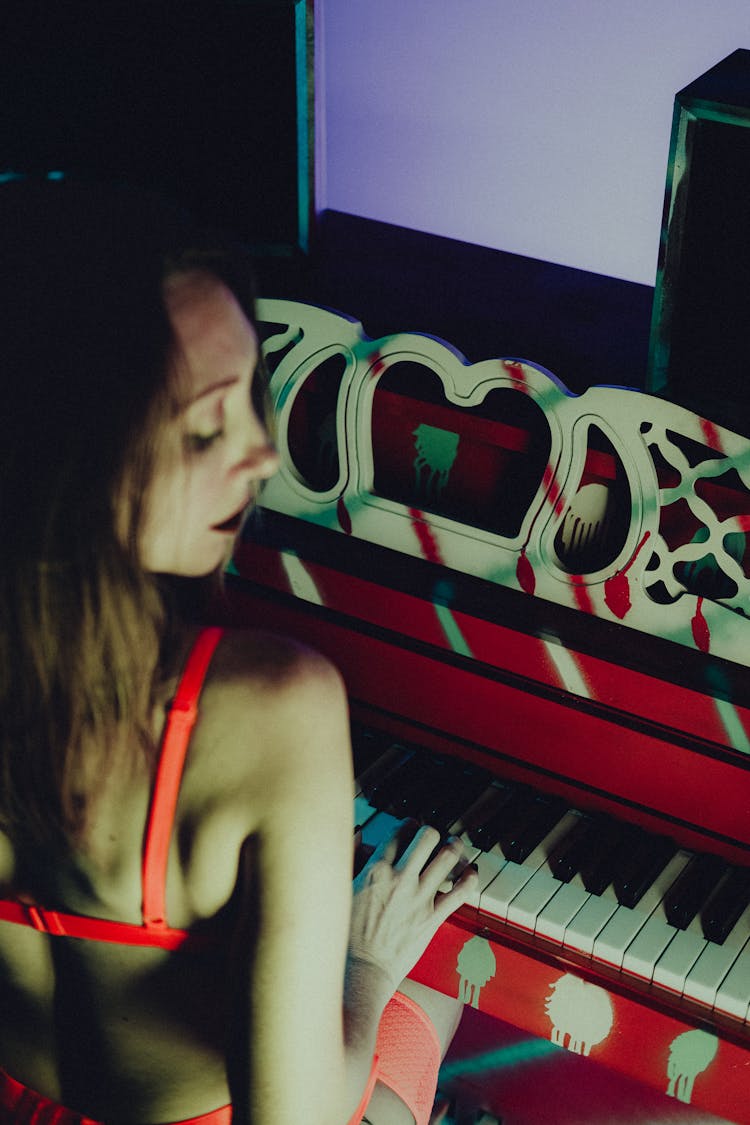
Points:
(153, 930)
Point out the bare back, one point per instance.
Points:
(144, 1034)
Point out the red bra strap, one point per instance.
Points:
(179, 727)
(61, 924)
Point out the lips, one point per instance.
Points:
(232, 524)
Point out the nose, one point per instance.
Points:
(261, 462)
(257, 453)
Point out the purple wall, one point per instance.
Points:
(539, 127)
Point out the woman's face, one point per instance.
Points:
(215, 451)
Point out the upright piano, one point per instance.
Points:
(539, 602)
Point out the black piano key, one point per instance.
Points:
(461, 789)
(725, 906)
(515, 817)
(368, 746)
(413, 784)
(428, 788)
(692, 889)
(485, 822)
(607, 839)
(543, 814)
(646, 857)
(571, 853)
(381, 785)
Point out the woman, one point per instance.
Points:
(177, 936)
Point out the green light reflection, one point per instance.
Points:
(528, 1050)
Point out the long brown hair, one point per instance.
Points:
(84, 351)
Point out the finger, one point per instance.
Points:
(418, 853)
(446, 862)
(391, 837)
(462, 891)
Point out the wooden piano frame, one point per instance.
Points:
(551, 585)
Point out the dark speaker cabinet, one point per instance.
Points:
(700, 333)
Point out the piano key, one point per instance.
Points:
(484, 822)
(692, 890)
(561, 909)
(642, 954)
(488, 864)
(542, 815)
(368, 746)
(608, 840)
(715, 961)
(363, 810)
(541, 887)
(443, 795)
(646, 857)
(503, 889)
(583, 929)
(678, 958)
(733, 994)
(528, 904)
(727, 905)
(461, 792)
(514, 816)
(477, 810)
(618, 934)
(571, 854)
(372, 758)
(378, 765)
(385, 790)
(380, 827)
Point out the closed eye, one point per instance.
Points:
(199, 443)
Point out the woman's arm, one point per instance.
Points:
(309, 1059)
(298, 858)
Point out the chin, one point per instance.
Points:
(217, 562)
(200, 562)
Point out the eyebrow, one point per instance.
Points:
(230, 381)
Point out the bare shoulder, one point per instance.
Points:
(252, 666)
(274, 706)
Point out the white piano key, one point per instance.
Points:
(582, 931)
(678, 958)
(378, 828)
(504, 888)
(647, 947)
(363, 810)
(488, 865)
(561, 909)
(532, 898)
(733, 994)
(715, 961)
(621, 929)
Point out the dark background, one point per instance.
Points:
(194, 99)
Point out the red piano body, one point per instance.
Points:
(551, 590)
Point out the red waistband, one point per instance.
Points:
(30, 1108)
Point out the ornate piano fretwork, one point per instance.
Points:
(614, 502)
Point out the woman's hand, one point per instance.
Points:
(398, 902)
